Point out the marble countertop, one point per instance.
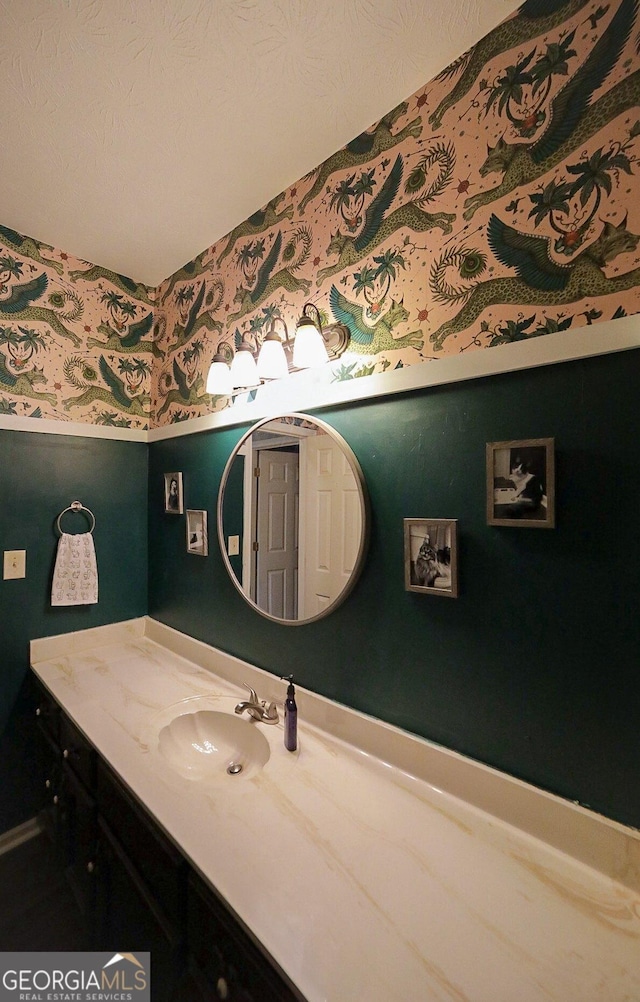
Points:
(371, 864)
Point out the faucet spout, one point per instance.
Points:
(257, 708)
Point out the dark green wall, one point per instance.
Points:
(534, 668)
(41, 475)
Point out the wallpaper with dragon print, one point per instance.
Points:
(498, 203)
(76, 341)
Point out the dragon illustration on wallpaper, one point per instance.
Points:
(379, 224)
(362, 150)
(540, 280)
(29, 248)
(370, 340)
(189, 389)
(269, 280)
(190, 304)
(23, 384)
(547, 88)
(20, 304)
(570, 205)
(130, 341)
(30, 329)
(411, 235)
(573, 117)
(95, 273)
(129, 394)
(260, 222)
(535, 18)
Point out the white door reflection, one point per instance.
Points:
(303, 520)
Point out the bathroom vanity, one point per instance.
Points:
(367, 865)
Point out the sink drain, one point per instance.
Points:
(234, 768)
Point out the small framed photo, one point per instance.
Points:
(197, 537)
(431, 556)
(173, 500)
(521, 483)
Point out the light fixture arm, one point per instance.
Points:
(317, 319)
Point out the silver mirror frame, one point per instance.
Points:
(364, 513)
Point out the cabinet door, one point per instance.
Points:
(76, 833)
(161, 866)
(130, 918)
(224, 957)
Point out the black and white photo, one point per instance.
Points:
(173, 501)
(431, 556)
(197, 538)
(521, 483)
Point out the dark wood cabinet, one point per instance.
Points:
(135, 888)
(157, 862)
(129, 916)
(50, 754)
(224, 958)
(69, 812)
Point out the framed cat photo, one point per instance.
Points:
(173, 498)
(431, 556)
(521, 483)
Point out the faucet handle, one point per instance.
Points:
(252, 693)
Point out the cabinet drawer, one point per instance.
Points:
(77, 753)
(160, 865)
(233, 966)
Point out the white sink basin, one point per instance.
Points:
(206, 744)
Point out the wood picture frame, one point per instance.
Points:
(521, 483)
(431, 556)
(197, 535)
(173, 495)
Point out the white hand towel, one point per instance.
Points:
(75, 575)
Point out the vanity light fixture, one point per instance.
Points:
(272, 360)
(312, 346)
(309, 349)
(219, 379)
(244, 371)
(314, 343)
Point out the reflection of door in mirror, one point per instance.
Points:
(276, 566)
(292, 522)
(330, 523)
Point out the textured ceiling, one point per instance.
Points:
(136, 133)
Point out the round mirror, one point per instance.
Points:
(292, 518)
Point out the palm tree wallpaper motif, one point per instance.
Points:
(498, 203)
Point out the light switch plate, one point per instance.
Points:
(233, 546)
(15, 564)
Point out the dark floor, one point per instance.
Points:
(37, 909)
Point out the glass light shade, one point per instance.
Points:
(244, 371)
(272, 362)
(309, 348)
(219, 378)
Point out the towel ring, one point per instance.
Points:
(76, 506)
